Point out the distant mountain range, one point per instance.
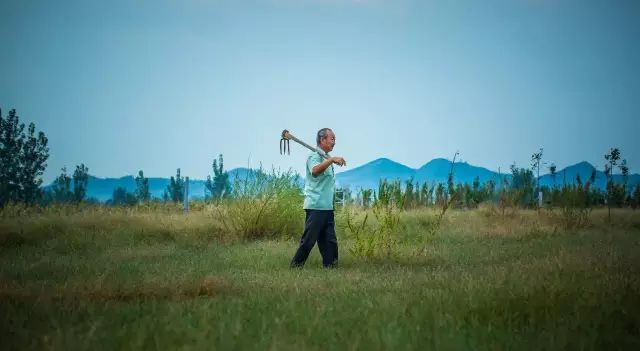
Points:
(437, 171)
(368, 176)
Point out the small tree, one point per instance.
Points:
(80, 182)
(219, 187)
(175, 189)
(612, 159)
(552, 171)
(22, 160)
(440, 196)
(536, 160)
(522, 185)
(62, 187)
(142, 188)
(121, 197)
(635, 199)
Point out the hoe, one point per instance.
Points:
(285, 147)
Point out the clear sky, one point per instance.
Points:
(123, 85)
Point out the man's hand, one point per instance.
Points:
(338, 160)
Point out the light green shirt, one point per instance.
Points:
(318, 191)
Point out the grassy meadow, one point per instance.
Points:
(153, 278)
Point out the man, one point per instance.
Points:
(319, 187)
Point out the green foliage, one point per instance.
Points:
(575, 206)
(616, 194)
(122, 198)
(23, 160)
(105, 278)
(219, 187)
(142, 188)
(364, 197)
(263, 206)
(440, 195)
(522, 186)
(175, 188)
(635, 199)
(80, 182)
(378, 238)
(62, 188)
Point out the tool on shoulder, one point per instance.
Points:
(285, 147)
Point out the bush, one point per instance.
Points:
(263, 206)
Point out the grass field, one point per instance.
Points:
(130, 279)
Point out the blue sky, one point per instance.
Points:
(157, 85)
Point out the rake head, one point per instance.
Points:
(284, 143)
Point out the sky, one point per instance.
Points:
(156, 85)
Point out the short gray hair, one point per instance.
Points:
(321, 134)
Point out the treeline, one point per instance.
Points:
(23, 156)
(24, 152)
(522, 189)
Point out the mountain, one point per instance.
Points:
(584, 169)
(368, 175)
(437, 171)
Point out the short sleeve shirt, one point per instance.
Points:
(318, 191)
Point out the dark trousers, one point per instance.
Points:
(319, 226)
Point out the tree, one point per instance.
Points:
(552, 171)
(121, 197)
(175, 189)
(536, 160)
(365, 197)
(22, 160)
(80, 182)
(425, 194)
(635, 200)
(62, 187)
(624, 170)
(219, 187)
(409, 200)
(440, 196)
(522, 184)
(612, 159)
(142, 188)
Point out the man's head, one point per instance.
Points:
(326, 139)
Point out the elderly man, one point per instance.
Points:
(319, 187)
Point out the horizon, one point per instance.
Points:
(506, 173)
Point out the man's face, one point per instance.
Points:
(328, 142)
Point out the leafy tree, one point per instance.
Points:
(175, 189)
(80, 182)
(365, 195)
(552, 171)
(142, 188)
(219, 187)
(522, 185)
(635, 199)
(409, 200)
(612, 159)
(440, 195)
(426, 193)
(536, 160)
(62, 187)
(121, 197)
(22, 160)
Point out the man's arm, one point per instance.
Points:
(321, 167)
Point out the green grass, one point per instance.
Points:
(127, 279)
